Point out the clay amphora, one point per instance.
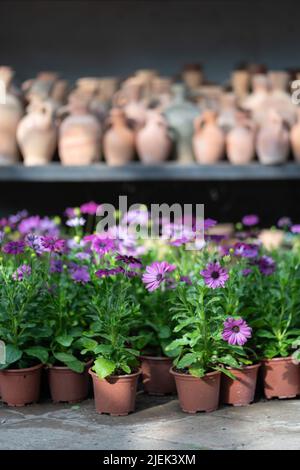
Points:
(11, 111)
(119, 139)
(153, 142)
(37, 134)
(295, 138)
(240, 141)
(79, 134)
(209, 139)
(180, 116)
(272, 145)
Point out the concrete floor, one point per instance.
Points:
(158, 424)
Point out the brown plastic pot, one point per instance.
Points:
(116, 394)
(67, 385)
(198, 394)
(157, 379)
(281, 377)
(20, 387)
(241, 391)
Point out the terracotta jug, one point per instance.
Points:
(11, 111)
(37, 134)
(134, 108)
(209, 139)
(227, 114)
(119, 140)
(295, 138)
(272, 145)
(240, 141)
(79, 134)
(153, 142)
(240, 81)
(180, 116)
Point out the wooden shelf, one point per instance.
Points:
(55, 172)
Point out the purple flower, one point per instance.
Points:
(75, 222)
(48, 227)
(250, 220)
(246, 272)
(21, 272)
(109, 272)
(295, 228)
(131, 260)
(70, 212)
(136, 216)
(156, 273)
(80, 274)
(236, 331)
(56, 266)
(186, 280)
(53, 244)
(30, 224)
(1, 236)
(246, 250)
(208, 223)
(266, 265)
(284, 222)
(179, 241)
(34, 242)
(14, 247)
(101, 244)
(215, 275)
(82, 256)
(89, 208)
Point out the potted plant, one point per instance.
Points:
(155, 330)
(203, 347)
(68, 362)
(22, 295)
(276, 310)
(114, 315)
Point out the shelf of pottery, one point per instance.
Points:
(149, 118)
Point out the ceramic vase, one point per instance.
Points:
(240, 141)
(209, 139)
(119, 140)
(153, 142)
(272, 145)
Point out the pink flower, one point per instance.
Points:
(236, 331)
(89, 208)
(156, 273)
(215, 275)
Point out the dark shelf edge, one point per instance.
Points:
(138, 172)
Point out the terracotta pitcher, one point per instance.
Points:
(119, 140)
(240, 141)
(11, 111)
(272, 145)
(79, 134)
(209, 139)
(295, 138)
(37, 134)
(153, 142)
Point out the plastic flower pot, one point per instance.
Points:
(241, 391)
(116, 394)
(281, 377)
(157, 379)
(198, 393)
(20, 387)
(68, 386)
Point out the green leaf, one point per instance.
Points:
(103, 367)
(229, 360)
(39, 352)
(164, 332)
(187, 360)
(12, 354)
(265, 334)
(87, 343)
(125, 368)
(103, 349)
(226, 372)
(64, 340)
(70, 361)
(197, 371)
(177, 343)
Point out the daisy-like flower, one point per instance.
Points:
(83, 256)
(89, 208)
(186, 279)
(156, 273)
(236, 332)
(208, 223)
(109, 272)
(53, 244)
(215, 275)
(80, 274)
(284, 222)
(34, 242)
(75, 222)
(266, 265)
(102, 245)
(30, 224)
(246, 250)
(56, 266)
(70, 212)
(246, 272)
(21, 272)
(131, 260)
(295, 228)
(14, 247)
(250, 220)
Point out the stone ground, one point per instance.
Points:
(158, 424)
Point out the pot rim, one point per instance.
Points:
(252, 366)
(155, 358)
(277, 359)
(65, 368)
(191, 377)
(125, 376)
(21, 371)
